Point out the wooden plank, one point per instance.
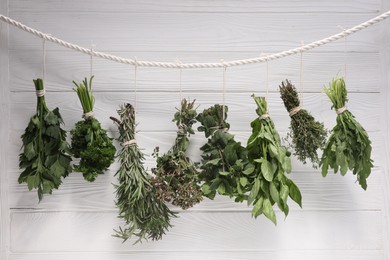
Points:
(4, 134)
(156, 109)
(318, 69)
(91, 231)
(193, 6)
(209, 32)
(211, 255)
(331, 193)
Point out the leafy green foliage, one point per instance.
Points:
(45, 157)
(146, 216)
(349, 146)
(176, 177)
(89, 141)
(224, 166)
(308, 136)
(267, 182)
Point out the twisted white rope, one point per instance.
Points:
(88, 115)
(341, 110)
(40, 93)
(275, 56)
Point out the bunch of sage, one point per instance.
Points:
(308, 135)
(176, 176)
(348, 147)
(224, 161)
(145, 215)
(89, 141)
(268, 183)
(46, 154)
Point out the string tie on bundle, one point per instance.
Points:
(341, 110)
(88, 115)
(294, 110)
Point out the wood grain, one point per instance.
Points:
(90, 231)
(211, 255)
(62, 67)
(193, 6)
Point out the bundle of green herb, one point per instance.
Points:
(176, 176)
(308, 135)
(224, 161)
(89, 141)
(145, 215)
(45, 157)
(348, 146)
(268, 183)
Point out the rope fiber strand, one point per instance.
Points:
(275, 56)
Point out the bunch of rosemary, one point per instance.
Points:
(145, 215)
(224, 161)
(46, 154)
(176, 176)
(308, 135)
(89, 141)
(268, 183)
(348, 147)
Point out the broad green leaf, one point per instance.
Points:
(257, 208)
(284, 191)
(224, 173)
(206, 189)
(51, 118)
(274, 192)
(249, 170)
(214, 161)
(221, 188)
(268, 211)
(294, 192)
(267, 171)
(243, 181)
(273, 150)
(29, 151)
(254, 191)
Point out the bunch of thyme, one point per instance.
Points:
(176, 176)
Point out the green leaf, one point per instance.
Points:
(254, 191)
(267, 171)
(221, 188)
(274, 192)
(257, 208)
(268, 211)
(243, 181)
(214, 161)
(29, 151)
(51, 118)
(57, 169)
(224, 173)
(249, 170)
(294, 192)
(206, 189)
(284, 191)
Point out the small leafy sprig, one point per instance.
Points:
(349, 146)
(268, 183)
(89, 141)
(46, 154)
(308, 135)
(224, 161)
(176, 176)
(145, 216)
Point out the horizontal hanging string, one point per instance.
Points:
(197, 65)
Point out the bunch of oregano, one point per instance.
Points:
(45, 157)
(268, 183)
(308, 135)
(146, 216)
(176, 176)
(89, 141)
(224, 161)
(348, 146)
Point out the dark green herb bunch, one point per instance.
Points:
(224, 161)
(268, 183)
(146, 216)
(348, 147)
(46, 154)
(89, 141)
(176, 176)
(308, 135)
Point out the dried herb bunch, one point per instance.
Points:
(349, 146)
(89, 141)
(176, 176)
(146, 216)
(308, 135)
(268, 183)
(46, 154)
(224, 161)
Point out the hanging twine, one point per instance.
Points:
(44, 60)
(91, 61)
(129, 143)
(89, 114)
(267, 78)
(341, 110)
(301, 76)
(135, 84)
(180, 90)
(344, 33)
(223, 90)
(294, 110)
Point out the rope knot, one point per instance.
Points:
(341, 110)
(40, 93)
(129, 143)
(89, 114)
(264, 116)
(294, 110)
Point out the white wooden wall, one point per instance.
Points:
(338, 220)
